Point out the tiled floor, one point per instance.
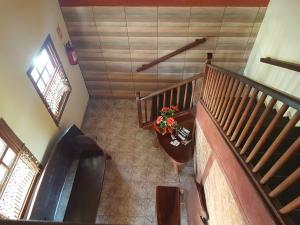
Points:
(128, 195)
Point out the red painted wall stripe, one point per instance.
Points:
(248, 199)
(235, 3)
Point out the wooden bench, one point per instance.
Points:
(72, 180)
(168, 205)
(168, 209)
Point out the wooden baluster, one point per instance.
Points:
(292, 150)
(164, 100)
(139, 108)
(220, 86)
(171, 97)
(250, 120)
(230, 101)
(157, 104)
(146, 117)
(292, 178)
(283, 134)
(206, 72)
(290, 206)
(234, 106)
(212, 83)
(207, 86)
(217, 88)
(210, 87)
(178, 95)
(203, 86)
(267, 132)
(193, 91)
(185, 94)
(222, 97)
(225, 100)
(237, 114)
(152, 116)
(244, 115)
(216, 79)
(258, 125)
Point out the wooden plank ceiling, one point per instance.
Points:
(113, 41)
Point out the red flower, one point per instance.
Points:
(159, 119)
(164, 131)
(174, 107)
(165, 109)
(170, 129)
(156, 127)
(170, 121)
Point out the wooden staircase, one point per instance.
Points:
(180, 94)
(260, 126)
(258, 123)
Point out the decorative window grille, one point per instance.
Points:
(49, 79)
(18, 172)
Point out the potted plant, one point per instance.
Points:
(165, 123)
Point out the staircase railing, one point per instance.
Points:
(169, 96)
(240, 108)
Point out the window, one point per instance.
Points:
(18, 172)
(49, 79)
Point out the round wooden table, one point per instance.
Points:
(180, 154)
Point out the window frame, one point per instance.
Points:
(54, 57)
(15, 144)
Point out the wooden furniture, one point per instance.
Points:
(196, 212)
(180, 154)
(71, 183)
(167, 205)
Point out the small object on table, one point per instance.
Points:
(173, 137)
(183, 133)
(186, 130)
(175, 143)
(185, 142)
(181, 137)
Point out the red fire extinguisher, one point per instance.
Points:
(72, 56)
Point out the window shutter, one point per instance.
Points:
(18, 186)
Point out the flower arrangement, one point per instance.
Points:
(165, 123)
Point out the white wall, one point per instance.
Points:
(279, 38)
(24, 26)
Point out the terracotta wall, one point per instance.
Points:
(230, 196)
(221, 205)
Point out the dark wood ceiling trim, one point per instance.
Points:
(234, 3)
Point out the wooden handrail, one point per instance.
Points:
(280, 63)
(160, 91)
(180, 94)
(176, 52)
(279, 95)
(248, 119)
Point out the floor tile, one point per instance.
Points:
(138, 165)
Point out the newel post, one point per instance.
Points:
(207, 62)
(139, 107)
